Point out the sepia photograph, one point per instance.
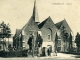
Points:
(39, 29)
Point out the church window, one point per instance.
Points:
(49, 36)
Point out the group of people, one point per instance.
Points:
(38, 43)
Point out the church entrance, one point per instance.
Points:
(49, 49)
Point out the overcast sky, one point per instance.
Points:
(18, 12)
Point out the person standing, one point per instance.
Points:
(30, 42)
(39, 44)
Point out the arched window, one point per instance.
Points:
(49, 34)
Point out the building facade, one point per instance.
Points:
(52, 34)
(48, 30)
(65, 36)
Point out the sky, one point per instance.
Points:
(18, 12)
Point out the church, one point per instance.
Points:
(52, 34)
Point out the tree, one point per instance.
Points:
(70, 42)
(64, 35)
(5, 32)
(56, 43)
(77, 40)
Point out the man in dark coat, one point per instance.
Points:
(30, 42)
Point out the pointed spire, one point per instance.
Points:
(35, 13)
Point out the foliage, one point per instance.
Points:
(77, 40)
(5, 30)
(64, 33)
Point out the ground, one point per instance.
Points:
(59, 56)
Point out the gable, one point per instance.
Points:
(31, 25)
(58, 25)
(41, 24)
(50, 24)
(67, 27)
(47, 23)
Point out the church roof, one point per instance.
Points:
(58, 25)
(19, 31)
(65, 24)
(34, 17)
(43, 22)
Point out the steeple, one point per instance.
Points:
(35, 13)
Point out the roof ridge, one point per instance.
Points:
(67, 24)
(43, 22)
(24, 26)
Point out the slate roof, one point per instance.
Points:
(65, 24)
(18, 31)
(33, 17)
(58, 25)
(43, 22)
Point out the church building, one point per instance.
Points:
(48, 31)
